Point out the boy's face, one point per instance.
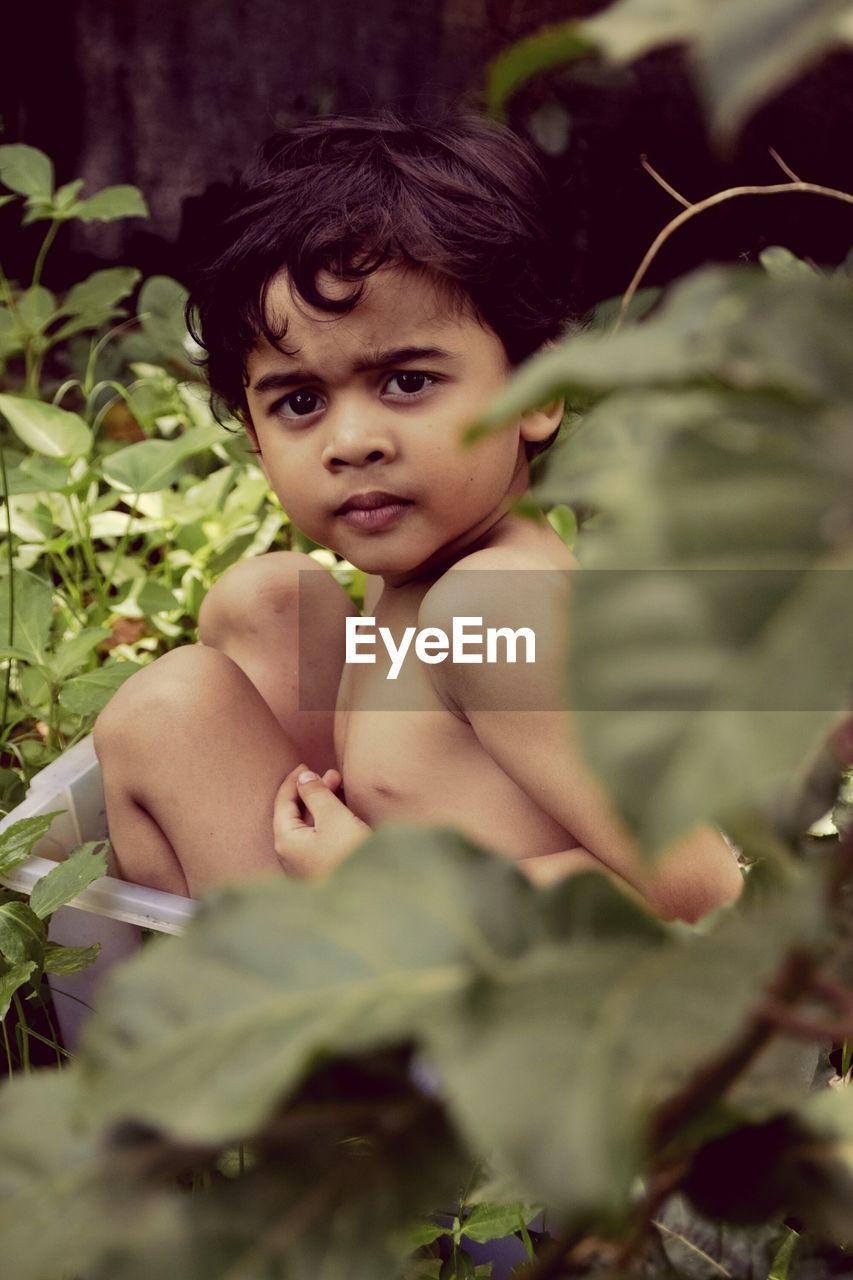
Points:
(359, 431)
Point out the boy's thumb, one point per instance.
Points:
(316, 795)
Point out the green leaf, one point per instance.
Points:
(713, 575)
(38, 474)
(6, 200)
(63, 960)
(23, 936)
(291, 968)
(155, 598)
(11, 980)
(90, 692)
(630, 28)
(67, 194)
(45, 428)
(68, 878)
(35, 308)
(33, 614)
(543, 50)
(11, 338)
(161, 311)
(748, 53)
(731, 325)
(26, 170)
(112, 203)
(488, 1222)
(71, 654)
(555, 1071)
(780, 262)
(60, 1207)
(151, 465)
(782, 1261)
(98, 295)
(18, 839)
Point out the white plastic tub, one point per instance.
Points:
(110, 911)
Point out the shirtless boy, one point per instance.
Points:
(378, 285)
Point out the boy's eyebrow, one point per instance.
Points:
(377, 360)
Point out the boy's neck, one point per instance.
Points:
(486, 533)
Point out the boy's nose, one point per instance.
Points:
(351, 444)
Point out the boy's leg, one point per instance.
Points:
(191, 756)
(191, 762)
(281, 618)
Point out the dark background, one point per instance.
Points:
(176, 95)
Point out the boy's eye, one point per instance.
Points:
(299, 404)
(409, 383)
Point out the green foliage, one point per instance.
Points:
(326, 1063)
(743, 53)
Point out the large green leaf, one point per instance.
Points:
(46, 428)
(71, 654)
(61, 1208)
(748, 52)
(290, 969)
(26, 170)
(38, 474)
(556, 1068)
(32, 616)
(89, 693)
(745, 53)
(630, 28)
(69, 877)
(94, 299)
(731, 325)
(153, 464)
(16, 842)
(112, 203)
(710, 625)
(12, 978)
(23, 935)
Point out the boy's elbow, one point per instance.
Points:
(690, 887)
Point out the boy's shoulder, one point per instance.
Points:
(502, 583)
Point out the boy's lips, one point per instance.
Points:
(372, 510)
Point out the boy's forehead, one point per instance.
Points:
(398, 307)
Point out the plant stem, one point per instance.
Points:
(23, 1032)
(10, 638)
(8, 1048)
(43, 251)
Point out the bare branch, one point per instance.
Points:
(662, 182)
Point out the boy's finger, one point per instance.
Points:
(287, 814)
(316, 796)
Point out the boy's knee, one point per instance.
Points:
(251, 591)
(156, 699)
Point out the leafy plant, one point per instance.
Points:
(120, 510)
(330, 1061)
(26, 954)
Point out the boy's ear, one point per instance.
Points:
(253, 440)
(539, 424)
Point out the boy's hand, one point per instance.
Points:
(312, 846)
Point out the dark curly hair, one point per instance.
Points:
(460, 197)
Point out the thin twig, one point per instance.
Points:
(782, 188)
(662, 182)
(786, 168)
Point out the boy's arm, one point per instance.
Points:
(536, 749)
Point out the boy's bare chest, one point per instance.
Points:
(394, 737)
